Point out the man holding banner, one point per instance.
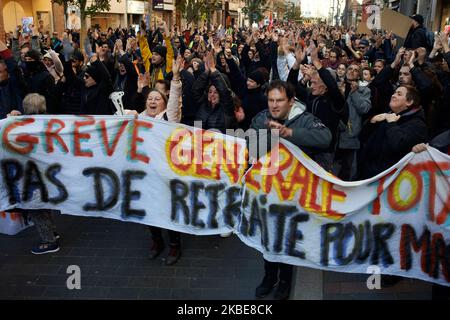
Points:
(305, 131)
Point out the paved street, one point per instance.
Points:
(112, 256)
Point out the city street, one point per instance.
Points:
(112, 256)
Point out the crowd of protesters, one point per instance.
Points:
(356, 103)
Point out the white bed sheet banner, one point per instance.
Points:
(182, 178)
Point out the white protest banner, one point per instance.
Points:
(139, 170)
(185, 179)
(398, 220)
(12, 223)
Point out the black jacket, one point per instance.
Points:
(189, 107)
(11, 90)
(253, 101)
(416, 38)
(221, 117)
(42, 82)
(384, 144)
(126, 83)
(96, 98)
(71, 91)
(382, 90)
(329, 108)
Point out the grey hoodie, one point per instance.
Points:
(309, 133)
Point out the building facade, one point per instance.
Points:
(121, 14)
(435, 12)
(13, 13)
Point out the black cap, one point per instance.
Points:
(94, 73)
(418, 18)
(161, 50)
(257, 76)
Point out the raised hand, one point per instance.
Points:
(398, 57)
(412, 59)
(285, 46)
(217, 47)
(437, 44)
(443, 36)
(210, 61)
(142, 82)
(300, 53)
(177, 66)
(143, 27)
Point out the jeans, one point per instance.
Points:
(43, 220)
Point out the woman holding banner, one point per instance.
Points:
(159, 107)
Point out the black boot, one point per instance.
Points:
(174, 255)
(265, 287)
(389, 281)
(283, 290)
(157, 248)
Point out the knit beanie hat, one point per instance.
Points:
(257, 76)
(161, 50)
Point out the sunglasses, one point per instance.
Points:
(86, 76)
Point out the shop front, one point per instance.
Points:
(25, 13)
(114, 18)
(163, 10)
(442, 16)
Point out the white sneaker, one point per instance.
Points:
(226, 235)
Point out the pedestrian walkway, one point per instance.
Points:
(112, 256)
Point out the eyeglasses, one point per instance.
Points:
(86, 76)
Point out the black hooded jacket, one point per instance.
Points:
(221, 117)
(96, 98)
(330, 108)
(39, 80)
(384, 144)
(253, 101)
